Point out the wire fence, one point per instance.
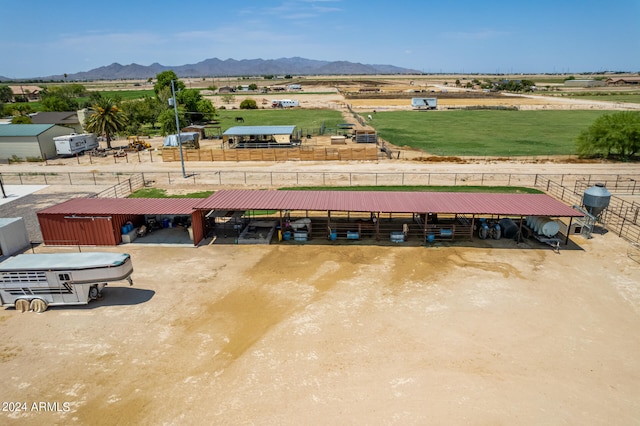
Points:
(621, 216)
(278, 179)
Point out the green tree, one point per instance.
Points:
(74, 90)
(227, 98)
(57, 98)
(248, 104)
(22, 109)
(189, 98)
(142, 111)
(21, 119)
(6, 94)
(253, 86)
(615, 134)
(167, 121)
(58, 103)
(107, 119)
(206, 108)
(163, 81)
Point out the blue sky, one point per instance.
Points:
(43, 37)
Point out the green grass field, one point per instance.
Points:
(485, 133)
(161, 193)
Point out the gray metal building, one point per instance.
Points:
(29, 140)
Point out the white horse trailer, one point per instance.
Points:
(424, 103)
(284, 103)
(37, 281)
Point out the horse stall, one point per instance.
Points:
(295, 226)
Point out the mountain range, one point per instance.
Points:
(230, 67)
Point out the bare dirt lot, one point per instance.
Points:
(491, 333)
(482, 332)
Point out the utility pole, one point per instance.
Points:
(175, 110)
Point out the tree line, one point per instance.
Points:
(111, 114)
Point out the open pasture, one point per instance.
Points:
(485, 133)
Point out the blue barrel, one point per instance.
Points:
(125, 229)
(333, 235)
(286, 235)
(353, 235)
(129, 227)
(165, 223)
(431, 238)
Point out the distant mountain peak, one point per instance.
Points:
(215, 67)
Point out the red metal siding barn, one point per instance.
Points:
(99, 221)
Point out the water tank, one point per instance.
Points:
(509, 228)
(596, 199)
(543, 225)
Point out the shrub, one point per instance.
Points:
(248, 104)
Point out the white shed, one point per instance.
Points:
(13, 236)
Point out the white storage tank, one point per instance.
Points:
(543, 225)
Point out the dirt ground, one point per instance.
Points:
(482, 332)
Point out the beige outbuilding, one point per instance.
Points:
(29, 140)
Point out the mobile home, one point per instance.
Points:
(37, 281)
(75, 143)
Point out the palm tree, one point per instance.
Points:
(107, 118)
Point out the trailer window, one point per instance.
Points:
(63, 277)
(24, 277)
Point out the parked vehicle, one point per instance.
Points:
(75, 143)
(37, 281)
(284, 103)
(424, 103)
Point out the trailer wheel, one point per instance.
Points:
(93, 292)
(39, 305)
(22, 305)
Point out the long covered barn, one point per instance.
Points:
(442, 215)
(321, 214)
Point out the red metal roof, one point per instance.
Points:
(105, 206)
(389, 202)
